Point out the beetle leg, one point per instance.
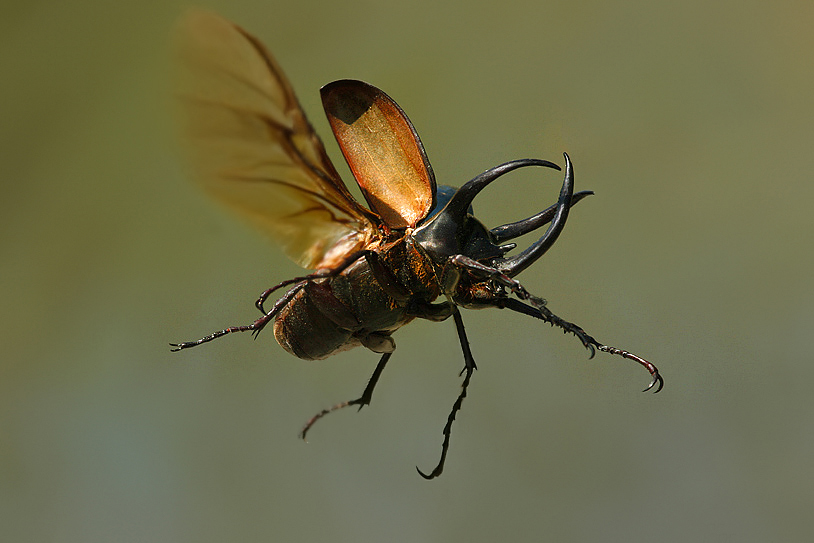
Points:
(539, 310)
(319, 274)
(255, 327)
(469, 368)
(361, 401)
(519, 228)
(543, 313)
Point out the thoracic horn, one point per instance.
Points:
(460, 202)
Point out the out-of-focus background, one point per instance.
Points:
(692, 121)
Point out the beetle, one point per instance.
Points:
(417, 251)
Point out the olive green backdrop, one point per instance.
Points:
(692, 121)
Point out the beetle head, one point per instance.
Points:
(451, 229)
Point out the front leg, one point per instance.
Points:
(543, 313)
(539, 310)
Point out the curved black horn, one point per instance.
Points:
(513, 266)
(462, 199)
(519, 228)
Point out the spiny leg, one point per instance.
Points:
(540, 311)
(469, 368)
(361, 401)
(254, 327)
(319, 274)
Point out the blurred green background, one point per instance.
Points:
(692, 121)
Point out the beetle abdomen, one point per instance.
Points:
(346, 311)
(305, 331)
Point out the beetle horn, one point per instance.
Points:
(462, 199)
(515, 265)
(520, 228)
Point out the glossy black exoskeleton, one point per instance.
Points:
(416, 252)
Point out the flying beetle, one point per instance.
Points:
(417, 251)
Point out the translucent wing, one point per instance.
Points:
(251, 146)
